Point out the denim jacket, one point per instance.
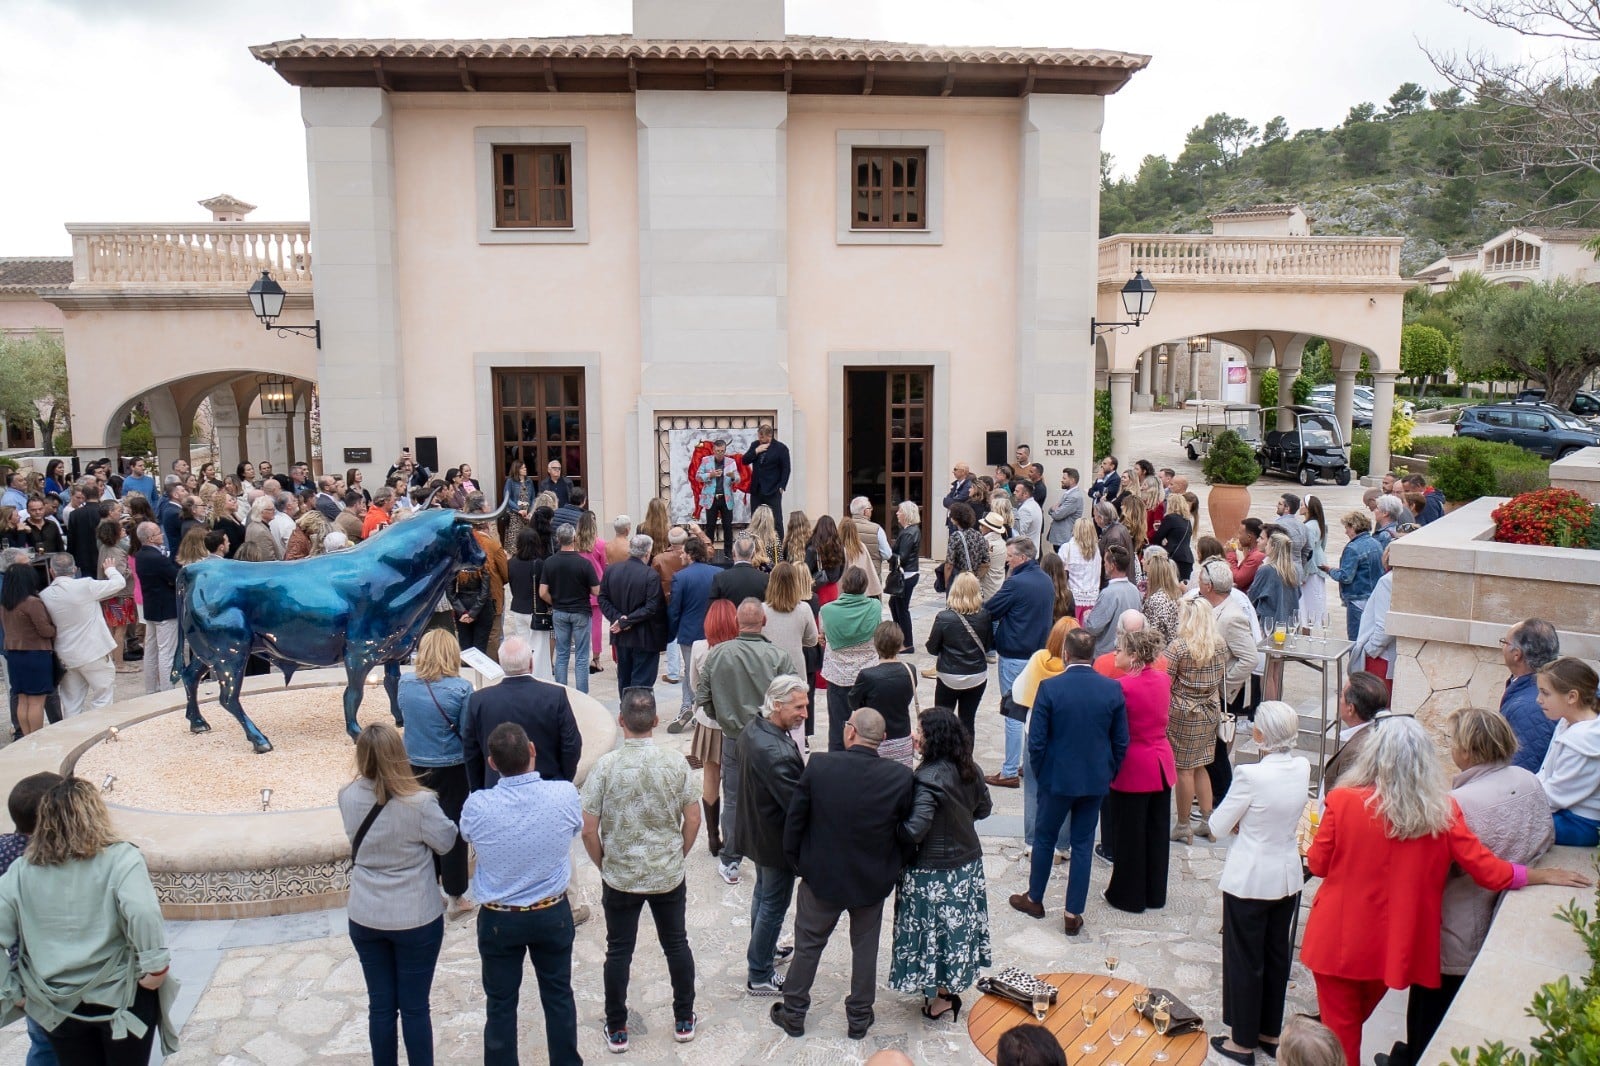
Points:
(1359, 569)
(429, 740)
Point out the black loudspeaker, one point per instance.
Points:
(995, 451)
(428, 454)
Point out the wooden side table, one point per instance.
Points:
(992, 1017)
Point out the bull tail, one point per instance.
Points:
(177, 652)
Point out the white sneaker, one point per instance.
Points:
(729, 872)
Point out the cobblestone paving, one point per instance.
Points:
(289, 990)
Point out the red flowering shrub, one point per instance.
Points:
(1554, 518)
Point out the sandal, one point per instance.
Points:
(953, 1011)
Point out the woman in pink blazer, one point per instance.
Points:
(1141, 792)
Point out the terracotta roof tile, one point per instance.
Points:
(1256, 211)
(1560, 233)
(32, 273)
(625, 46)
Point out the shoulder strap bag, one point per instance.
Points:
(447, 723)
(968, 627)
(916, 700)
(361, 833)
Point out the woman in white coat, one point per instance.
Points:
(1261, 883)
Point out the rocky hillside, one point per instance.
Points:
(1411, 168)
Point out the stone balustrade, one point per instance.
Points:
(1200, 256)
(221, 255)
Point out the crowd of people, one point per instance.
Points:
(1125, 644)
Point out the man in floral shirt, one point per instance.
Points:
(641, 813)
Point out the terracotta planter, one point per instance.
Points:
(1227, 505)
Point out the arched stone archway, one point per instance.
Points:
(242, 431)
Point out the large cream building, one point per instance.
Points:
(570, 247)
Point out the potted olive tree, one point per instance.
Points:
(1230, 467)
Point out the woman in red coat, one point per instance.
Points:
(1383, 850)
(1141, 793)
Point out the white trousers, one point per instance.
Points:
(92, 683)
(160, 644)
(1314, 599)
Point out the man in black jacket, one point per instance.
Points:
(540, 708)
(841, 835)
(741, 581)
(158, 581)
(82, 525)
(631, 600)
(772, 765)
(768, 460)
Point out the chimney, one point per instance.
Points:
(708, 20)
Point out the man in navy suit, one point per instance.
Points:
(631, 600)
(768, 460)
(686, 617)
(539, 707)
(1077, 738)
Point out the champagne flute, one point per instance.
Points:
(1163, 1021)
(1141, 1002)
(1041, 1004)
(1112, 959)
(1118, 1032)
(1090, 1010)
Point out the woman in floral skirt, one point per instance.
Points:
(941, 914)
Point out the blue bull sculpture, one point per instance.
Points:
(355, 609)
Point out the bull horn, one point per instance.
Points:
(492, 516)
(427, 503)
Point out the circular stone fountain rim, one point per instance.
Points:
(187, 842)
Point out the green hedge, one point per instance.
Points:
(1361, 451)
(1465, 469)
(1102, 426)
(138, 439)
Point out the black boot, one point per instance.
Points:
(713, 809)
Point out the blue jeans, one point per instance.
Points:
(545, 937)
(1352, 622)
(675, 660)
(683, 673)
(398, 965)
(1574, 830)
(40, 1053)
(572, 645)
(1012, 763)
(1054, 810)
(1030, 807)
(768, 904)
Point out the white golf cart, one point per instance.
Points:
(1212, 417)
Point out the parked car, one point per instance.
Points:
(1360, 417)
(1584, 404)
(1540, 428)
(1362, 397)
(1311, 448)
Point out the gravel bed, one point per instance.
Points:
(160, 766)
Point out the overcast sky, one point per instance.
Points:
(132, 110)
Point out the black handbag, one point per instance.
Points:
(895, 583)
(1184, 1019)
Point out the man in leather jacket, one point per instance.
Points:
(771, 761)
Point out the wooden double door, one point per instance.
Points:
(888, 435)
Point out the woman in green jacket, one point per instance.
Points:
(92, 964)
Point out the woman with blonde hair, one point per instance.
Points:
(1384, 850)
(433, 700)
(763, 530)
(193, 547)
(590, 544)
(1275, 592)
(91, 968)
(1197, 659)
(857, 557)
(306, 540)
(960, 640)
(1570, 773)
(1164, 589)
(1082, 556)
(1155, 506)
(1175, 534)
(1000, 504)
(906, 557)
(792, 626)
(657, 525)
(396, 828)
(797, 534)
(1133, 517)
